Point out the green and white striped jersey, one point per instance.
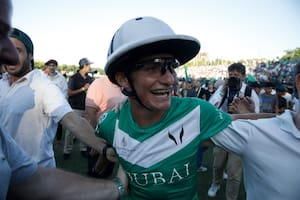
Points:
(160, 160)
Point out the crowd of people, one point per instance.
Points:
(147, 119)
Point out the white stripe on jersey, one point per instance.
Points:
(161, 145)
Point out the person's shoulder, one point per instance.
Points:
(75, 75)
(114, 113)
(38, 76)
(187, 102)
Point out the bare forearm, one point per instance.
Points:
(81, 129)
(252, 116)
(58, 184)
(91, 115)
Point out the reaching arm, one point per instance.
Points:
(81, 129)
(244, 108)
(49, 183)
(91, 115)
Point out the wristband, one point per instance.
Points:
(120, 186)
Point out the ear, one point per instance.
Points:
(122, 80)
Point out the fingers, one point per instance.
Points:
(242, 105)
(111, 155)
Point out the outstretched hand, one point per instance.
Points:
(242, 105)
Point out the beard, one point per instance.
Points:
(26, 67)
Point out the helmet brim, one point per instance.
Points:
(182, 47)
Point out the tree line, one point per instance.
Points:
(290, 55)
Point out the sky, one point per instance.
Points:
(68, 30)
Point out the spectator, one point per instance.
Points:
(60, 81)
(222, 98)
(101, 96)
(77, 87)
(267, 99)
(269, 148)
(21, 178)
(281, 103)
(31, 107)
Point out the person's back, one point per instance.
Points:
(103, 95)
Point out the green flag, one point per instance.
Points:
(186, 73)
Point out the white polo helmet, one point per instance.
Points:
(145, 36)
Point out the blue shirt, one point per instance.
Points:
(15, 164)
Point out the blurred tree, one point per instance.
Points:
(292, 55)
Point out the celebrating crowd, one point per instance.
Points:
(141, 120)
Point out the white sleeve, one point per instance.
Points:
(235, 137)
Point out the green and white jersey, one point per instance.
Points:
(160, 160)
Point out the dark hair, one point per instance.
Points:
(51, 61)
(24, 38)
(237, 67)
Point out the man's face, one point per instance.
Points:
(24, 59)
(236, 74)
(51, 67)
(154, 86)
(8, 54)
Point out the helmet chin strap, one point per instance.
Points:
(134, 95)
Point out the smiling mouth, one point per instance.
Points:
(162, 92)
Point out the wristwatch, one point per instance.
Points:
(120, 187)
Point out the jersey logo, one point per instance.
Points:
(166, 142)
(180, 136)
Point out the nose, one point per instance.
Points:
(8, 52)
(168, 77)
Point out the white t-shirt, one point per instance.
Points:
(216, 98)
(270, 150)
(30, 110)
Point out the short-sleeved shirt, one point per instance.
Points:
(270, 150)
(60, 81)
(103, 95)
(15, 164)
(30, 110)
(160, 160)
(217, 97)
(76, 82)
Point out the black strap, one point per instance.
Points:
(223, 99)
(248, 91)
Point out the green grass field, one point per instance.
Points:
(78, 164)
